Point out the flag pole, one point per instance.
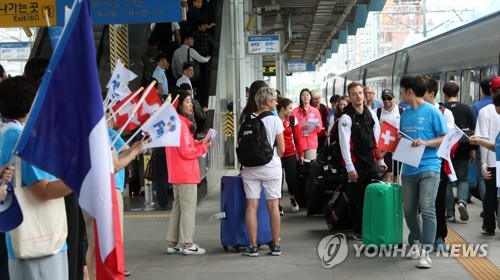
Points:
(175, 99)
(136, 108)
(123, 105)
(465, 134)
(129, 139)
(406, 135)
(139, 129)
(46, 13)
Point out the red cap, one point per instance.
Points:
(495, 83)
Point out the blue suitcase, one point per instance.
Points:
(233, 231)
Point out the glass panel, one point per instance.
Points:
(401, 63)
(451, 76)
(467, 87)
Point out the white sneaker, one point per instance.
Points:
(464, 215)
(194, 250)
(174, 250)
(414, 253)
(425, 260)
(295, 205)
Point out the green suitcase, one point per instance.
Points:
(383, 215)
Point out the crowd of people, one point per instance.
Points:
(428, 198)
(76, 257)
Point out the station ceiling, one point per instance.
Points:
(317, 26)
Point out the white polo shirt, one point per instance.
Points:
(393, 117)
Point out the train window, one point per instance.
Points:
(451, 76)
(467, 87)
(402, 64)
(439, 98)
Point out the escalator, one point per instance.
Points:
(138, 35)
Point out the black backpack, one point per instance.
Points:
(379, 111)
(253, 146)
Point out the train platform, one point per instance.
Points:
(146, 258)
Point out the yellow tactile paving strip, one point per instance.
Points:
(134, 216)
(479, 267)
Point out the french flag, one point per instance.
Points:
(66, 135)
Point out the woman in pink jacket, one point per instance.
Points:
(184, 175)
(309, 119)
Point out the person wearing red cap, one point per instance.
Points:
(495, 84)
(488, 127)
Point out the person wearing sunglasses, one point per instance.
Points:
(391, 113)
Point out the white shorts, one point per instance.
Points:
(254, 178)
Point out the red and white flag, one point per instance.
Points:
(124, 110)
(388, 139)
(150, 105)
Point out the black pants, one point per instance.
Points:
(290, 166)
(4, 260)
(356, 194)
(82, 244)
(73, 220)
(490, 202)
(441, 228)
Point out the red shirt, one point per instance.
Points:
(293, 144)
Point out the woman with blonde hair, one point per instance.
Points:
(267, 176)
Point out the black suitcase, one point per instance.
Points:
(320, 187)
(301, 177)
(336, 210)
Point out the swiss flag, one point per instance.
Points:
(150, 105)
(125, 108)
(388, 139)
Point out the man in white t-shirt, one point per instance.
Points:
(390, 113)
(187, 74)
(488, 127)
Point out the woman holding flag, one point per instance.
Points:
(184, 175)
(16, 96)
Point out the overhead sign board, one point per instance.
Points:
(128, 11)
(15, 51)
(21, 13)
(297, 66)
(264, 44)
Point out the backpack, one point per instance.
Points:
(330, 156)
(379, 111)
(464, 146)
(253, 146)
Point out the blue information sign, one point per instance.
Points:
(263, 44)
(127, 11)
